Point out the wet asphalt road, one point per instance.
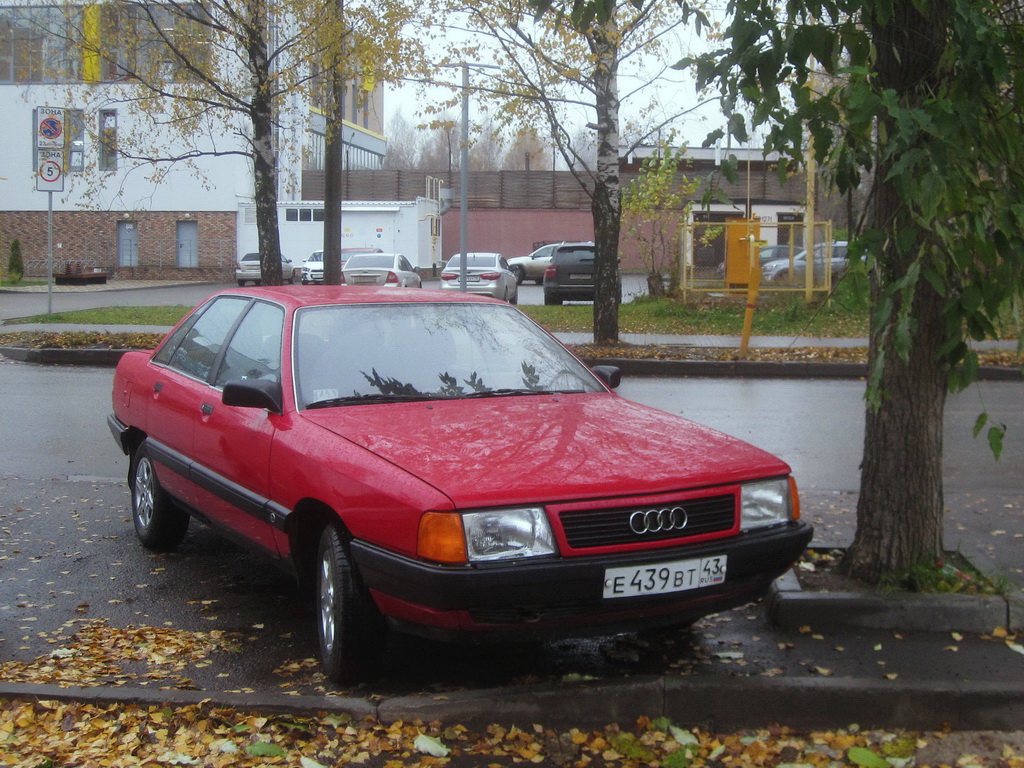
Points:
(68, 553)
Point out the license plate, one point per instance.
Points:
(365, 281)
(580, 277)
(662, 578)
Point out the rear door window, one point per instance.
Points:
(198, 350)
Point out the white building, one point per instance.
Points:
(116, 209)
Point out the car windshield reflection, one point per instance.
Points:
(386, 353)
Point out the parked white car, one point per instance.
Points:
(385, 269)
(313, 267)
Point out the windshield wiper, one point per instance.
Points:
(507, 392)
(367, 399)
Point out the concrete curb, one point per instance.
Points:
(97, 357)
(630, 367)
(720, 703)
(767, 369)
(792, 609)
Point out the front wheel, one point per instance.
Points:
(351, 630)
(159, 524)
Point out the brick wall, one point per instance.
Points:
(91, 238)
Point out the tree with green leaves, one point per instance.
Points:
(654, 206)
(925, 97)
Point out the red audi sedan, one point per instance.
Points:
(438, 463)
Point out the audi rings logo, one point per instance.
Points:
(658, 520)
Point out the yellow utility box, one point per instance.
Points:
(741, 245)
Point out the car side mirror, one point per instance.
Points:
(609, 374)
(253, 394)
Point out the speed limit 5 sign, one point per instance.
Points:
(50, 174)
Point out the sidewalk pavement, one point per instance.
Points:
(956, 668)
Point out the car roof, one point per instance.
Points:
(298, 296)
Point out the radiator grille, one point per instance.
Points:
(608, 527)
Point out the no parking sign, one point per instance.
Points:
(49, 146)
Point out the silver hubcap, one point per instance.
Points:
(144, 492)
(327, 600)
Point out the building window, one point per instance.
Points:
(36, 44)
(74, 149)
(107, 136)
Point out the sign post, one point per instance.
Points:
(49, 152)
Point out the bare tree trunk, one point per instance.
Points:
(264, 156)
(606, 203)
(332, 180)
(265, 192)
(899, 524)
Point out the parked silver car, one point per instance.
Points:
(532, 267)
(387, 269)
(249, 270)
(779, 271)
(486, 273)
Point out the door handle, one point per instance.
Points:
(207, 408)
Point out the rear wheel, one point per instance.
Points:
(159, 524)
(351, 630)
(552, 301)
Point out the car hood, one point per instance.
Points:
(546, 448)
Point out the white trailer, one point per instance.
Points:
(409, 227)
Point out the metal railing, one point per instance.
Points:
(719, 256)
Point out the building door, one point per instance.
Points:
(188, 243)
(127, 244)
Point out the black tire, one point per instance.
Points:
(552, 301)
(351, 630)
(539, 281)
(241, 283)
(520, 272)
(515, 298)
(159, 524)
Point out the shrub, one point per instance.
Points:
(15, 264)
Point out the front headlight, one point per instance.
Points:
(494, 534)
(502, 534)
(767, 502)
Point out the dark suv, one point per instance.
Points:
(570, 275)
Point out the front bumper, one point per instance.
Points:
(563, 595)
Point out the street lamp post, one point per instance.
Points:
(464, 168)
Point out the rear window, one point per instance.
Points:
(367, 260)
(474, 260)
(575, 253)
(251, 257)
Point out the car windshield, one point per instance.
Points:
(365, 353)
(370, 260)
(474, 260)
